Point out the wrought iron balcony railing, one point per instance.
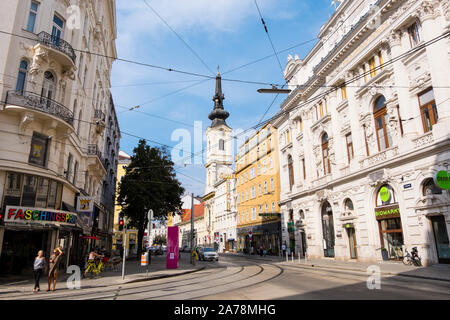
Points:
(99, 115)
(57, 44)
(34, 101)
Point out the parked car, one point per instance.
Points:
(156, 250)
(185, 248)
(207, 254)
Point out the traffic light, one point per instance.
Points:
(194, 234)
(121, 222)
(1, 219)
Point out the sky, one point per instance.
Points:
(198, 36)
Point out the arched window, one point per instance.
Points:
(48, 86)
(385, 196)
(325, 154)
(348, 204)
(291, 171)
(22, 76)
(79, 122)
(301, 213)
(429, 187)
(221, 144)
(381, 120)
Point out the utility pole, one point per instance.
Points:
(192, 226)
(124, 251)
(150, 225)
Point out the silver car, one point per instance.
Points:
(207, 254)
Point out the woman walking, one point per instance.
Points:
(55, 259)
(39, 263)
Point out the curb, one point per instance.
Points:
(360, 270)
(161, 276)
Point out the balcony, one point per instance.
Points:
(93, 150)
(95, 160)
(58, 44)
(36, 102)
(99, 115)
(379, 157)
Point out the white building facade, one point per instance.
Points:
(54, 98)
(225, 217)
(365, 130)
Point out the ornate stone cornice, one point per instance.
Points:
(428, 10)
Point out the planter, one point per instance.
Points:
(385, 255)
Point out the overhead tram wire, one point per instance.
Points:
(178, 36)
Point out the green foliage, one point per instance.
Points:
(149, 183)
(160, 239)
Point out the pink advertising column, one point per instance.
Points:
(172, 248)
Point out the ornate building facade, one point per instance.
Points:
(365, 130)
(55, 64)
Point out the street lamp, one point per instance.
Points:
(274, 89)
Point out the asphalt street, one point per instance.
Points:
(239, 278)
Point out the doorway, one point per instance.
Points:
(352, 243)
(328, 230)
(441, 239)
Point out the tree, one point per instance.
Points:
(149, 183)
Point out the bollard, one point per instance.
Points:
(287, 257)
(292, 256)
(299, 257)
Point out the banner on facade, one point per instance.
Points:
(387, 212)
(26, 214)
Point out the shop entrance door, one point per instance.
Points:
(328, 230)
(303, 238)
(441, 239)
(352, 243)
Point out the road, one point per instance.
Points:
(238, 278)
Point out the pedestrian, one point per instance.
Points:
(39, 264)
(261, 250)
(55, 259)
(283, 248)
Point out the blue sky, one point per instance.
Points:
(228, 33)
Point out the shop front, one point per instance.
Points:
(387, 213)
(265, 235)
(28, 230)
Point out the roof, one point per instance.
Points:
(123, 155)
(199, 210)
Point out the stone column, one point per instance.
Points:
(338, 151)
(434, 25)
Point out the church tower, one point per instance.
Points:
(218, 140)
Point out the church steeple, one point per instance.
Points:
(218, 115)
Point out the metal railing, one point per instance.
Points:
(94, 150)
(37, 102)
(57, 44)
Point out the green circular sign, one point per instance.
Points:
(385, 194)
(442, 179)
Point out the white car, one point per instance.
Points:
(207, 254)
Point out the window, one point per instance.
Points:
(259, 189)
(252, 173)
(22, 76)
(57, 29)
(267, 208)
(291, 171)
(381, 121)
(348, 204)
(304, 169)
(85, 76)
(79, 122)
(400, 122)
(48, 87)
(321, 109)
(414, 36)
(301, 214)
(75, 173)
(270, 143)
(248, 216)
(69, 166)
(271, 163)
(344, 92)
(221, 145)
(380, 57)
(264, 166)
(300, 125)
(372, 65)
(428, 109)
(29, 191)
(429, 187)
(42, 192)
(253, 191)
(39, 149)
(246, 195)
(253, 213)
(265, 187)
(13, 189)
(273, 207)
(243, 198)
(325, 154)
(272, 185)
(259, 169)
(349, 140)
(32, 16)
(364, 72)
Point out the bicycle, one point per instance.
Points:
(413, 258)
(94, 268)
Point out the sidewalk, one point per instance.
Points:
(134, 272)
(439, 272)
